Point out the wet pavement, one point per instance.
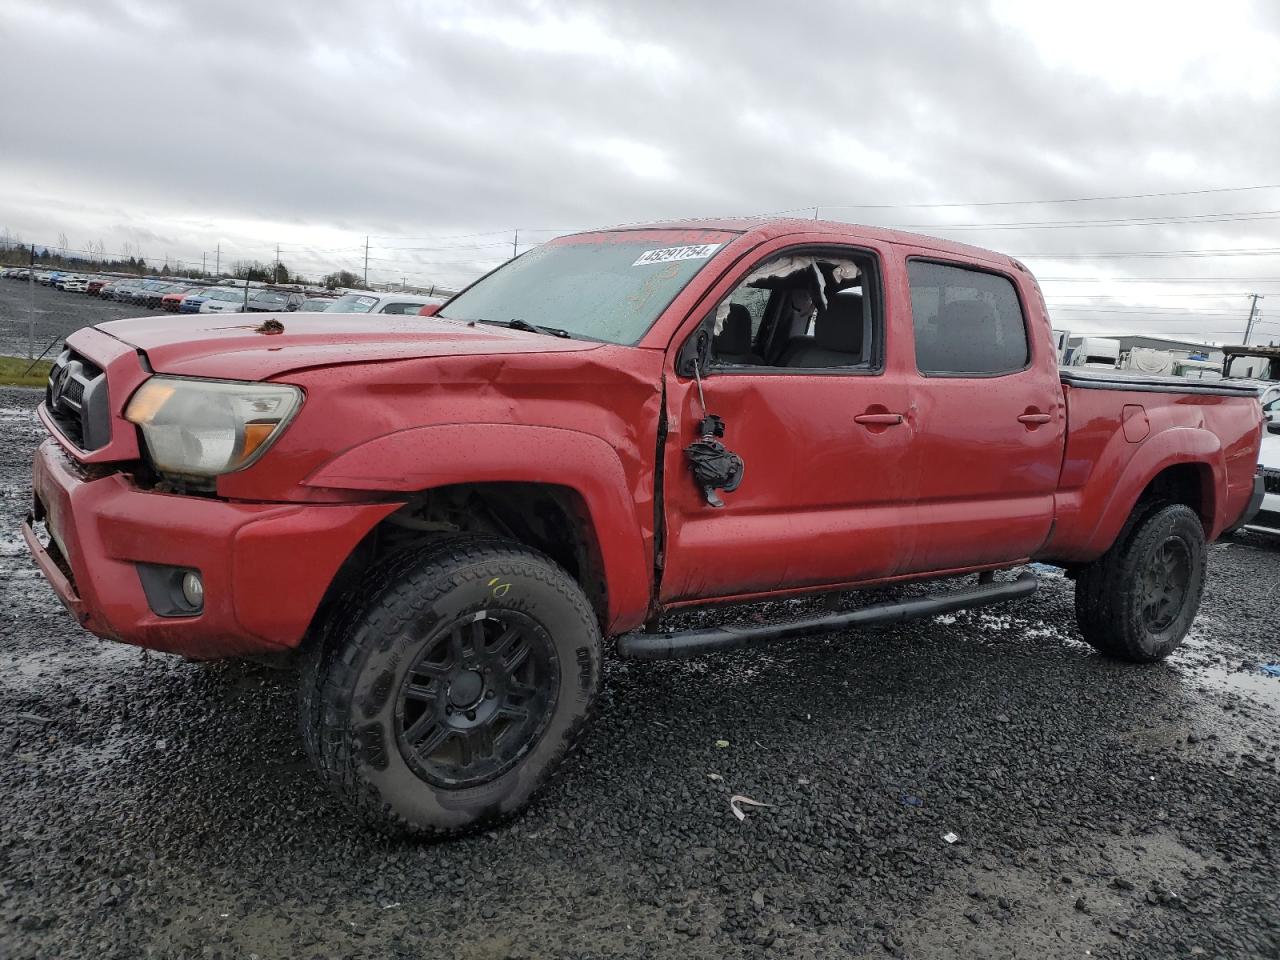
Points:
(156, 807)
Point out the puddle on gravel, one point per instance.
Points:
(1250, 684)
(1043, 922)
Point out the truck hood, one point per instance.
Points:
(230, 346)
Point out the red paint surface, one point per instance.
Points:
(979, 473)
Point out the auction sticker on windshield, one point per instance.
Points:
(698, 251)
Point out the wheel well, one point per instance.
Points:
(1185, 483)
(548, 517)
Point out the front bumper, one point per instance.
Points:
(265, 567)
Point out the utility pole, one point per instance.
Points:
(366, 263)
(204, 264)
(1254, 313)
(217, 266)
(515, 244)
(275, 277)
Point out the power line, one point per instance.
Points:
(1114, 296)
(1155, 254)
(1249, 280)
(1225, 217)
(1014, 203)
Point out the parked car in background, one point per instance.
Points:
(191, 302)
(130, 293)
(316, 304)
(153, 291)
(94, 286)
(74, 284)
(274, 301)
(155, 299)
(119, 291)
(172, 301)
(372, 302)
(1268, 518)
(223, 300)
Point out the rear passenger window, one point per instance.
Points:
(966, 321)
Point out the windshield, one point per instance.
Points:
(317, 305)
(600, 286)
(352, 303)
(269, 297)
(227, 295)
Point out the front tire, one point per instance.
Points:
(1138, 600)
(454, 687)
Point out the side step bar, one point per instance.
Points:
(691, 643)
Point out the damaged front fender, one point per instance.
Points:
(423, 458)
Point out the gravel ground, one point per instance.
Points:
(57, 314)
(155, 807)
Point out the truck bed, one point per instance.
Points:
(1142, 383)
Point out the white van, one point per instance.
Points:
(1096, 353)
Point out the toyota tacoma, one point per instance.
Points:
(445, 517)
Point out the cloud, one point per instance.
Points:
(436, 129)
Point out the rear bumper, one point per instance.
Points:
(1267, 517)
(265, 567)
(1256, 500)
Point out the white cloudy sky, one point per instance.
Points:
(169, 127)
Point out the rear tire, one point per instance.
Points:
(452, 687)
(1138, 600)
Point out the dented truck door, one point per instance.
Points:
(823, 449)
(987, 411)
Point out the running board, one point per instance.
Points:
(691, 643)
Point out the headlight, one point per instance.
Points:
(206, 428)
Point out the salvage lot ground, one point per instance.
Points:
(155, 807)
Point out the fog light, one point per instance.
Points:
(193, 589)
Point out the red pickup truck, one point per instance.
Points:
(447, 515)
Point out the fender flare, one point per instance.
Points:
(421, 458)
(1170, 447)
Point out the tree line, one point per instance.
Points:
(15, 253)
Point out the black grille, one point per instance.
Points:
(1271, 480)
(75, 392)
(76, 398)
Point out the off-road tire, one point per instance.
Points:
(1111, 591)
(352, 675)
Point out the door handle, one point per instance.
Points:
(1034, 418)
(878, 419)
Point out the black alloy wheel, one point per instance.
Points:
(477, 698)
(1165, 582)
